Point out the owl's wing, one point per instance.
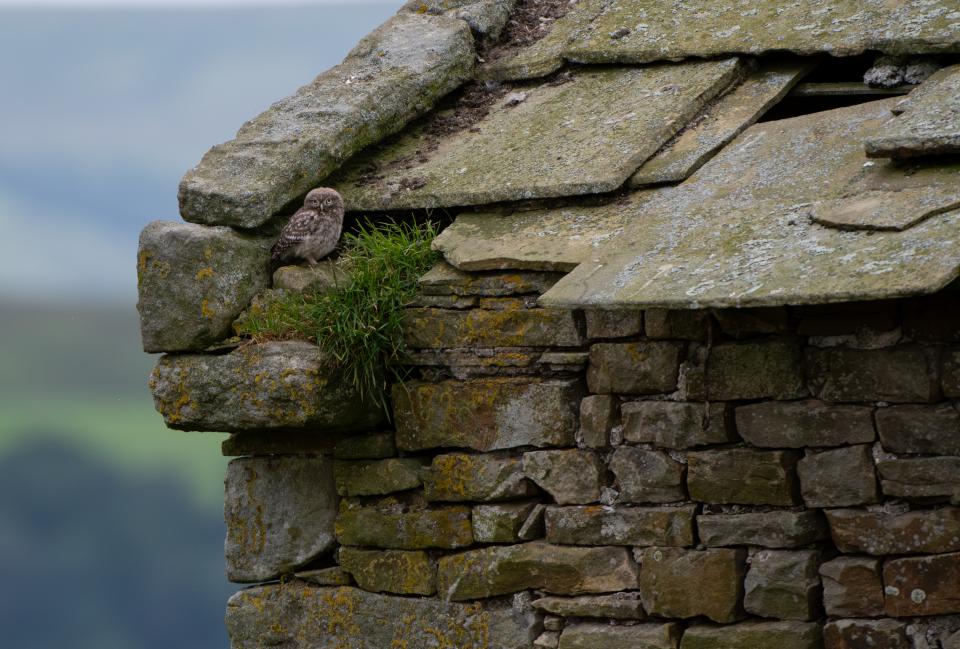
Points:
(301, 225)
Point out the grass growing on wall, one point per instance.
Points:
(359, 323)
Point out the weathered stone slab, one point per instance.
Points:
(852, 587)
(194, 281)
(743, 476)
(485, 17)
(392, 528)
(634, 526)
(516, 327)
(719, 123)
(866, 634)
(279, 514)
(561, 570)
(613, 324)
(589, 635)
(633, 368)
(932, 531)
(365, 447)
(579, 137)
(638, 33)
(921, 477)
(501, 522)
(783, 584)
(279, 385)
(322, 278)
(679, 425)
(300, 616)
(753, 635)
(598, 415)
(485, 414)
(773, 529)
(755, 370)
(393, 75)
(457, 477)
(885, 210)
(677, 583)
(549, 639)
(619, 606)
(798, 424)
(930, 125)
(391, 571)
(934, 430)
(922, 585)
(898, 375)
(444, 279)
(572, 477)
(377, 477)
(646, 476)
(839, 477)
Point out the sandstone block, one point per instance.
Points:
(761, 370)
(898, 375)
(501, 522)
(754, 635)
(743, 476)
(598, 415)
(391, 571)
(618, 606)
(922, 585)
(383, 527)
(647, 476)
(664, 324)
(589, 635)
(366, 447)
(613, 324)
(677, 583)
(460, 477)
(840, 477)
(773, 529)
(572, 477)
(783, 584)
(796, 424)
(866, 634)
(672, 424)
(934, 430)
(633, 368)
(279, 514)
(485, 414)
(930, 531)
(852, 587)
(922, 477)
(634, 526)
(513, 327)
(377, 477)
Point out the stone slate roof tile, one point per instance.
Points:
(485, 17)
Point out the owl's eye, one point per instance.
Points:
(328, 201)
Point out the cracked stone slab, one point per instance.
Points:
(886, 210)
(394, 75)
(930, 123)
(486, 18)
(640, 32)
(585, 136)
(739, 233)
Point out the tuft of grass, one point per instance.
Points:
(360, 324)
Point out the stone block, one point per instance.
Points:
(839, 477)
(905, 374)
(633, 368)
(796, 424)
(513, 327)
(951, 374)
(392, 528)
(922, 585)
(644, 476)
(486, 18)
(194, 281)
(672, 424)
(547, 640)
(677, 583)
(366, 447)
(633, 526)
(279, 514)
(743, 476)
(500, 522)
(754, 635)
(444, 279)
(922, 477)
(852, 587)
(924, 531)
(772, 529)
(664, 324)
(598, 416)
(783, 584)
(735, 371)
(571, 477)
(457, 477)
(401, 572)
(377, 477)
(325, 277)
(613, 324)
(556, 569)
(866, 634)
(486, 414)
(590, 635)
(618, 606)
(743, 323)
(933, 430)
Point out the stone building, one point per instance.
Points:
(687, 377)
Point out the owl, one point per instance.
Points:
(314, 230)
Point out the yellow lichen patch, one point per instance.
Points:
(205, 309)
(204, 273)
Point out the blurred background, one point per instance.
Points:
(111, 532)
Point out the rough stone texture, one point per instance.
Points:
(461, 477)
(933, 430)
(932, 531)
(547, 640)
(634, 526)
(674, 324)
(561, 570)
(391, 571)
(754, 635)
(773, 529)
(194, 281)
(840, 477)
(366, 447)
(886, 210)
(762, 370)
(444, 279)
(299, 616)
(743, 476)
(922, 585)
(644, 476)
(852, 587)
(613, 324)
(279, 515)
(582, 137)
(485, 414)
(921, 477)
(619, 606)
(280, 385)
(377, 477)
(516, 327)
(393, 75)
(866, 634)
(783, 584)
(333, 576)
(898, 375)
(598, 414)
(590, 635)
(677, 583)
(571, 477)
(633, 368)
(796, 424)
(929, 126)
(322, 278)
(485, 17)
(672, 424)
(419, 529)
(501, 522)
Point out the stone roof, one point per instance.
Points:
(630, 143)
